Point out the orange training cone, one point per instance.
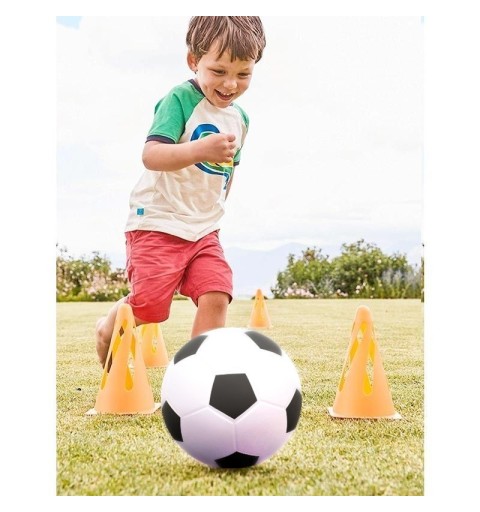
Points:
(153, 346)
(124, 388)
(358, 394)
(259, 317)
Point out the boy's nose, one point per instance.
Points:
(230, 84)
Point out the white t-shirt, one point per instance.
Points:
(187, 203)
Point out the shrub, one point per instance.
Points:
(88, 279)
(361, 271)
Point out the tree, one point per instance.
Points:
(362, 270)
(306, 277)
(358, 269)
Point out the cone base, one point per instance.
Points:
(333, 414)
(93, 411)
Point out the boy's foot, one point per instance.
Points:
(102, 345)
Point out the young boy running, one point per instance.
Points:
(190, 155)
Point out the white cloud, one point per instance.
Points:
(334, 149)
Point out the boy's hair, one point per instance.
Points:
(242, 36)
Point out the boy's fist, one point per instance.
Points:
(217, 147)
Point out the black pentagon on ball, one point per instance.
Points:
(237, 460)
(172, 421)
(263, 342)
(232, 394)
(189, 348)
(293, 410)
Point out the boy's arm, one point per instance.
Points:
(217, 147)
(158, 156)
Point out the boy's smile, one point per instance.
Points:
(221, 80)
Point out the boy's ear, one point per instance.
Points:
(192, 61)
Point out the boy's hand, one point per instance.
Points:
(217, 147)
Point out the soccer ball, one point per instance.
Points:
(231, 398)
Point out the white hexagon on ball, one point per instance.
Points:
(262, 430)
(275, 385)
(228, 354)
(189, 386)
(208, 435)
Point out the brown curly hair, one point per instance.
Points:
(242, 36)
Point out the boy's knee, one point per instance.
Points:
(216, 300)
(101, 330)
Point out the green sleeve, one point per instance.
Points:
(172, 113)
(246, 121)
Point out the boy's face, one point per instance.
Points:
(221, 80)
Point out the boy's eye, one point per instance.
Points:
(221, 72)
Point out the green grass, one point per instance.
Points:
(135, 455)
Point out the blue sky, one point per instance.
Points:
(69, 21)
(334, 151)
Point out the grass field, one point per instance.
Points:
(135, 455)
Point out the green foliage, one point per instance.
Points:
(361, 271)
(307, 277)
(90, 280)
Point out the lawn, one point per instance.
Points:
(135, 455)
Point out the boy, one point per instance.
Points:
(190, 154)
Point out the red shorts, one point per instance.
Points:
(158, 264)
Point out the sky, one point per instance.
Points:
(334, 151)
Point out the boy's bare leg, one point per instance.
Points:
(211, 312)
(104, 330)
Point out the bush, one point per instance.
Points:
(307, 277)
(90, 280)
(361, 271)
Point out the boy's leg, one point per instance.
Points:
(211, 312)
(104, 331)
(154, 269)
(208, 282)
